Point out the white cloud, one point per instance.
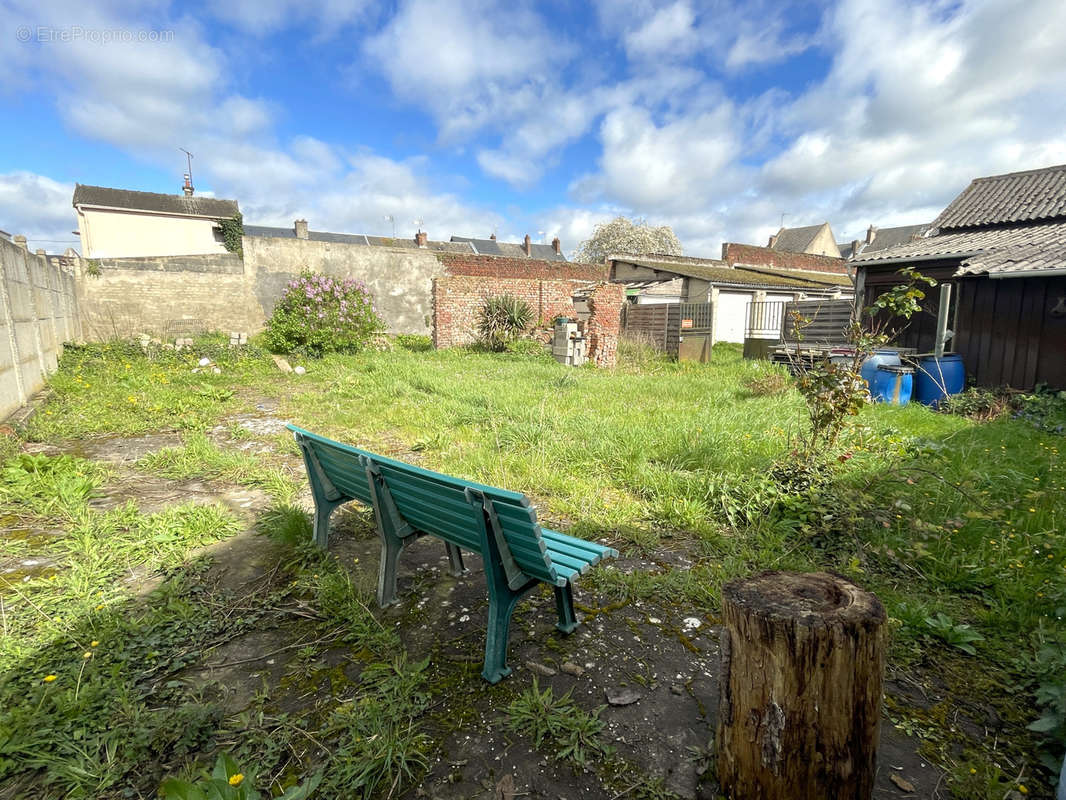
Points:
(262, 17)
(669, 31)
(38, 208)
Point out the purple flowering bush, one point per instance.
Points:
(320, 314)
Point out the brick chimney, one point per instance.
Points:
(854, 248)
(299, 227)
(187, 187)
(557, 246)
(20, 241)
(493, 237)
(871, 232)
(528, 247)
(420, 238)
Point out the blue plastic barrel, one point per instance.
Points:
(868, 370)
(892, 384)
(939, 377)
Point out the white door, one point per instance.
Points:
(730, 316)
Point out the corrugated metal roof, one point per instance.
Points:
(1036, 194)
(104, 196)
(1000, 250)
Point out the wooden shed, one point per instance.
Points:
(1001, 244)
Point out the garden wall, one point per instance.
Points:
(38, 313)
(457, 302)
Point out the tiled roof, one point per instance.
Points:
(845, 249)
(491, 247)
(355, 238)
(151, 201)
(1000, 250)
(885, 238)
(1037, 194)
(796, 240)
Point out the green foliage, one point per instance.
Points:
(531, 348)
(320, 314)
(834, 392)
(415, 342)
(502, 320)
(226, 781)
(960, 636)
(49, 485)
(232, 229)
(1049, 668)
(976, 403)
(769, 383)
(1044, 409)
(572, 732)
(92, 267)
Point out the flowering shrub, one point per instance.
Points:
(321, 314)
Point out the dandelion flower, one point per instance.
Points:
(93, 643)
(236, 779)
(49, 678)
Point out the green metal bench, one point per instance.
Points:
(501, 526)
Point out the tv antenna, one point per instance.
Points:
(188, 161)
(420, 222)
(783, 215)
(392, 219)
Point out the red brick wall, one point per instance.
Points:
(532, 268)
(734, 254)
(457, 302)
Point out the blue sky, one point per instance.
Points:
(543, 118)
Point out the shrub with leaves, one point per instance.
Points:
(503, 319)
(320, 314)
(228, 782)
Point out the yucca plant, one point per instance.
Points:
(503, 319)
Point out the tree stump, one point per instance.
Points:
(802, 667)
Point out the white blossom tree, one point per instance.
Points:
(622, 235)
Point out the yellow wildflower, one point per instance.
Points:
(93, 643)
(49, 678)
(235, 780)
(87, 654)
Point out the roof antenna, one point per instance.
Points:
(420, 222)
(783, 215)
(392, 218)
(187, 188)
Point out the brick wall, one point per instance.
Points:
(530, 268)
(740, 254)
(457, 302)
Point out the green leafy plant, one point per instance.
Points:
(415, 342)
(559, 721)
(976, 403)
(531, 348)
(227, 782)
(320, 314)
(502, 320)
(92, 267)
(232, 229)
(961, 636)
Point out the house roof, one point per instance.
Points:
(845, 249)
(105, 197)
(354, 238)
(1037, 194)
(885, 238)
(719, 273)
(491, 247)
(796, 240)
(997, 251)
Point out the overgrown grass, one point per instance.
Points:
(199, 457)
(952, 522)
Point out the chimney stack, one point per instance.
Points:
(299, 227)
(40, 251)
(493, 236)
(871, 232)
(557, 246)
(20, 241)
(855, 248)
(187, 188)
(528, 247)
(420, 238)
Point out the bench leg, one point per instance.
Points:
(390, 554)
(323, 511)
(455, 560)
(499, 630)
(564, 606)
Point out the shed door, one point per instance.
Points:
(730, 316)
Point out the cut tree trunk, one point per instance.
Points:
(803, 663)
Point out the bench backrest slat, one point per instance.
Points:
(437, 503)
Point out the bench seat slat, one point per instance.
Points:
(584, 556)
(341, 468)
(558, 558)
(573, 541)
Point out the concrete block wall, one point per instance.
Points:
(458, 299)
(38, 313)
